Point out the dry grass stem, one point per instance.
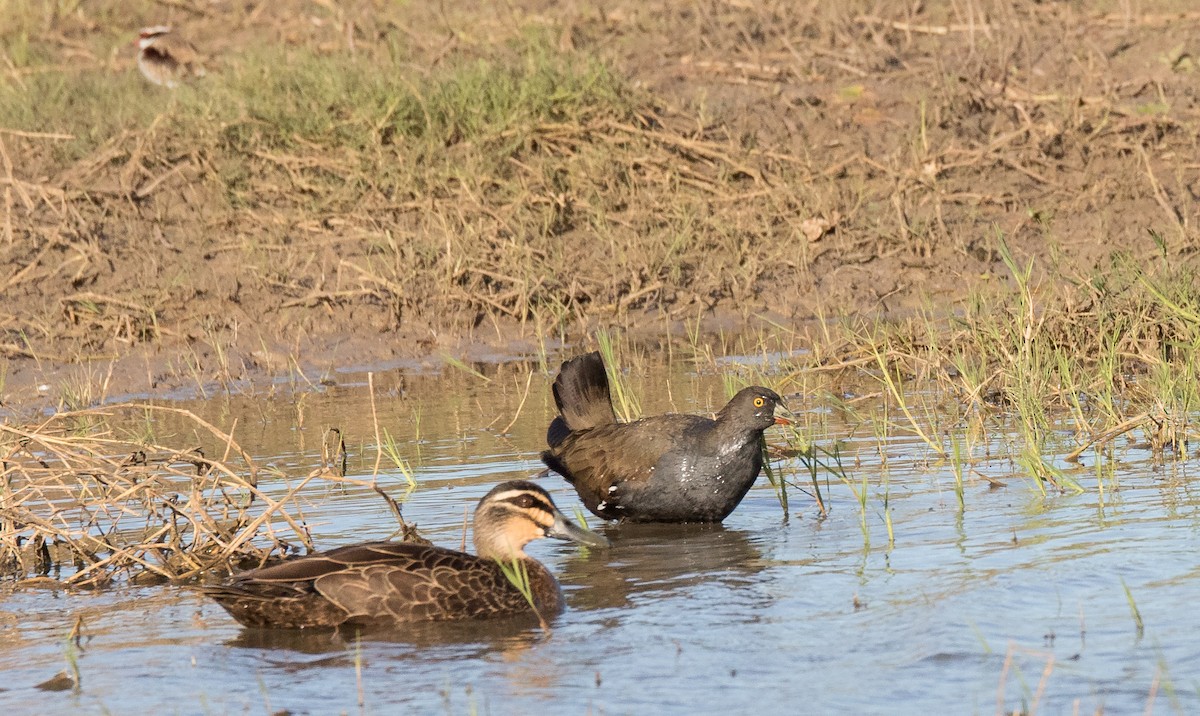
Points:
(87, 506)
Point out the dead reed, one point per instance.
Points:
(83, 506)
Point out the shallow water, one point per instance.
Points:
(1016, 601)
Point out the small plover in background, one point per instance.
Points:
(167, 59)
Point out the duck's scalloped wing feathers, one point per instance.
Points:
(311, 567)
(435, 584)
(373, 582)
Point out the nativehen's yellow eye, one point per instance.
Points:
(759, 402)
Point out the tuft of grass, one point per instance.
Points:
(462, 365)
(1106, 356)
(392, 450)
(895, 389)
(625, 402)
(805, 449)
(276, 97)
(776, 480)
(887, 511)
(517, 575)
(957, 466)
(71, 651)
(1133, 609)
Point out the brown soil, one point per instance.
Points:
(855, 157)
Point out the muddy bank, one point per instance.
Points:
(640, 167)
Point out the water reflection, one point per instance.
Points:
(658, 559)
(474, 637)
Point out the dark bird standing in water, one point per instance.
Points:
(388, 583)
(664, 468)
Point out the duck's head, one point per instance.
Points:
(517, 512)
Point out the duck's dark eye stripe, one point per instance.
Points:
(524, 499)
(527, 501)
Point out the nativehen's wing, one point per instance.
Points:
(610, 463)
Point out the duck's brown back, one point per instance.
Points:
(382, 583)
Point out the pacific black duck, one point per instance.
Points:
(384, 583)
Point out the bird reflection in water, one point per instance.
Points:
(657, 558)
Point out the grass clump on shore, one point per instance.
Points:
(277, 97)
(1066, 366)
(453, 193)
(292, 96)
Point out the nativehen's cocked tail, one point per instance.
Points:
(167, 59)
(664, 468)
(387, 583)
